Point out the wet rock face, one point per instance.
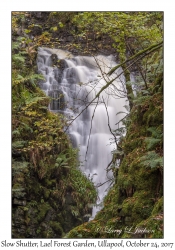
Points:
(56, 94)
(58, 74)
(59, 65)
(54, 59)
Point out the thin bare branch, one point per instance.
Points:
(154, 47)
(145, 52)
(91, 129)
(109, 123)
(139, 68)
(99, 185)
(97, 96)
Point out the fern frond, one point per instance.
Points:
(156, 133)
(152, 160)
(26, 127)
(17, 165)
(18, 58)
(15, 45)
(19, 144)
(34, 100)
(141, 100)
(152, 142)
(31, 78)
(15, 132)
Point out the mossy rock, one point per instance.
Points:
(57, 228)
(158, 207)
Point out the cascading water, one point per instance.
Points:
(72, 86)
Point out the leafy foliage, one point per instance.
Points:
(52, 179)
(46, 178)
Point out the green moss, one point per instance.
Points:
(39, 142)
(47, 233)
(131, 201)
(17, 186)
(46, 193)
(158, 207)
(42, 210)
(56, 226)
(153, 226)
(50, 183)
(127, 206)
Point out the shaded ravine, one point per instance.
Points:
(72, 82)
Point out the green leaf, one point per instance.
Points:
(27, 31)
(19, 77)
(54, 28)
(61, 24)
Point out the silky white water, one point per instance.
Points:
(72, 87)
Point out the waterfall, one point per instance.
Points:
(73, 83)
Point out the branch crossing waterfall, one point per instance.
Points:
(73, 82)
